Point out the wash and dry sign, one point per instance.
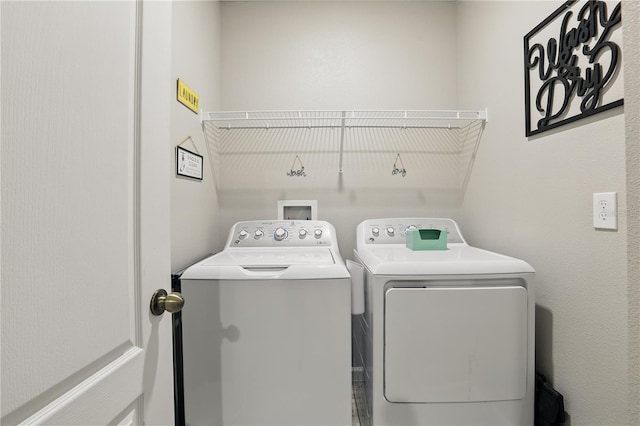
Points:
(187, 97)
(572, 64)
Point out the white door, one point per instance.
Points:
(85, 212)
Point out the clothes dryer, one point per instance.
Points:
(447, 336)
(266, 329)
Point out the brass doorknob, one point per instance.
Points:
(161, 301)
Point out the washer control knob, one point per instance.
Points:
(258, 234)
(390, 231)
(243, 234)
(280, 234)
(302, 233)
(317, 233)
(375, 231)
(409, 228)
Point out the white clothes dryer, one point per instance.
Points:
(447, 336)
(266, 329)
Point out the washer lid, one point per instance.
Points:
(458, 259)
(276, 257)
(273, 263)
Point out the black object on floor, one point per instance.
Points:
(549, 405)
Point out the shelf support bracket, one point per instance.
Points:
(344, 113)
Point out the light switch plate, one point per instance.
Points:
(605, 210)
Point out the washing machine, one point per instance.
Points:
(447, 335)
(266, 329)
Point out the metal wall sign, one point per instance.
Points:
(187, 97)
(572, 61)
(188, 164)
(297, 172)
(396, 171)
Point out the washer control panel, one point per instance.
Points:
(282, 233)
(394, 231)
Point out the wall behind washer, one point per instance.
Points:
(335, 55)
(196, 61)
(532, 198)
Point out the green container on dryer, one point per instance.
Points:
(427, 239)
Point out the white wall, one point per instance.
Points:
(632, 124)
(532, 198)
(334, 55)
(196, 61)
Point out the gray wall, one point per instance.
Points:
(334, 55)
(195, 58)
(532, 198)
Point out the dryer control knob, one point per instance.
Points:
(375, 231)
(409, 228)
(243, 234)
(302, 233)
(390, 231)
(317, 233)
(280, 234)
(258, 234)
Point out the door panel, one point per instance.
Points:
(73, 331)
(99, 397)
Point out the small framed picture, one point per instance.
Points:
(188, 164)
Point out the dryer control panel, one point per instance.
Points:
(394, 230)
(282, 233)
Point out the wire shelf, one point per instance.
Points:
(343, 119)
(366, 133)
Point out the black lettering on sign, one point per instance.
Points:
(579, 64)
(396, 171)
(297, 173)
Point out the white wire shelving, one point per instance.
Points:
(343, 118)
(466, 128)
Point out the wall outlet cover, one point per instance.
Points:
(605, 210)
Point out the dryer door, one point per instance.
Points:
(455, 344)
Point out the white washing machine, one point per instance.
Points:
(447, 336)
(266, 329)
